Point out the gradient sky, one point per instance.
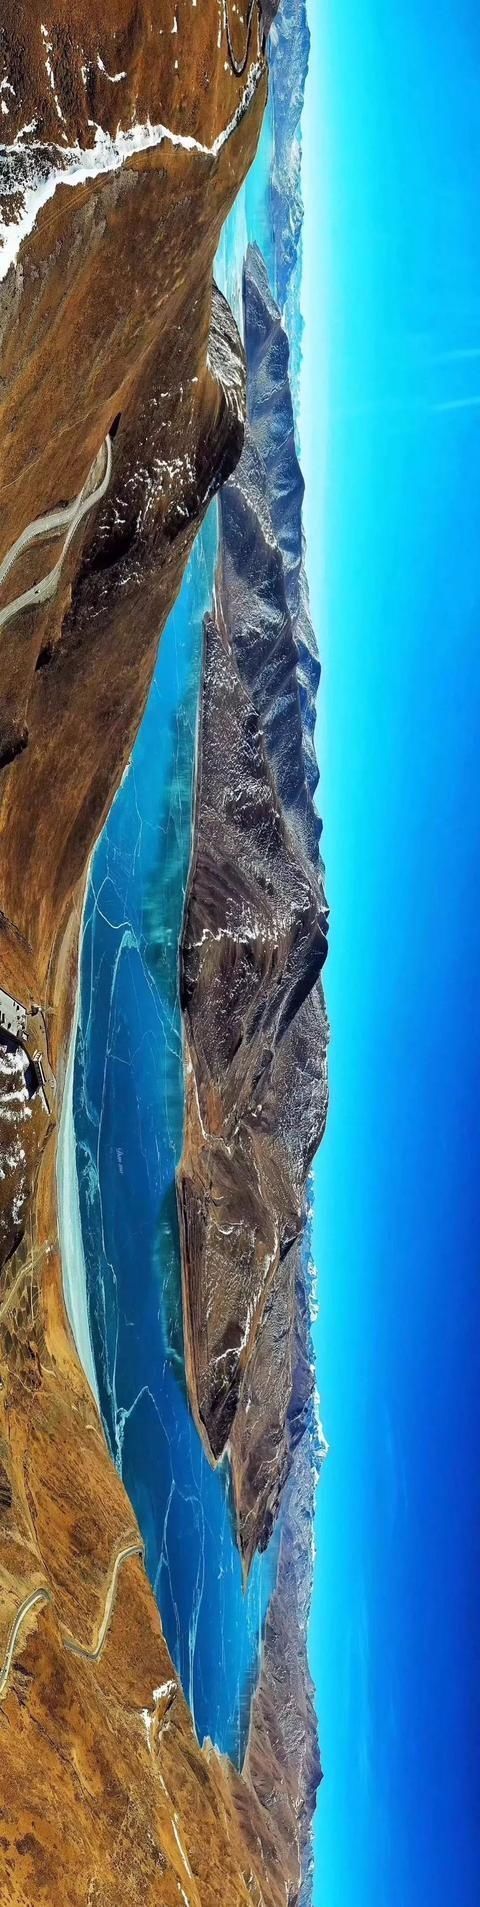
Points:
(391, 453)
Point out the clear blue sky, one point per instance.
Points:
(391, 454)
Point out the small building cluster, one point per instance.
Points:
(14, 1023)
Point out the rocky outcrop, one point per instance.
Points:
(290, 52)
(268, 9)
(282, 1761)
(254, 943)
(121, 402)
(275, 1797)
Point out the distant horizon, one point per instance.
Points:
(391, 459)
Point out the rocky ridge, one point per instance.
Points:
(290, 52)
(254, 943)
(282, 1763)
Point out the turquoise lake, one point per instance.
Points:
(128, 1118)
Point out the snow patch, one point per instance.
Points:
(113, 77)
(49, 69)
(36, 180)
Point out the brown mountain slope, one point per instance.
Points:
(121, 407)
(253, 948)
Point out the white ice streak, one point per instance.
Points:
(5, 87)
(44, 590)
(69, 1218)
(166, 1689)
(148, 1721)
(77, 165)
(49, 69)
(113, 77)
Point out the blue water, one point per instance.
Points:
(128, 1094)
(128, 1108)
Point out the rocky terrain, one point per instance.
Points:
(269, 8)
(282, 1762)
(290, 48)
(122, 403)
(254, 944)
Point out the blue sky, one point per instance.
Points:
(391, 454)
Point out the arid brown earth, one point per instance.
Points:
(282, 1761)
(121, 409)
(254, 944)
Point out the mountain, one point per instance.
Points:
(268, 9)
(253, 947)
(282, 1762)
(289, 56)
(254, 942)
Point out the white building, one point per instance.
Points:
(13, 1018)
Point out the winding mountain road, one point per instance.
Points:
(31, 1602)
(26, 1270)
(239, 65)
(44, 528)
(80, 1648)
(44, 1596)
